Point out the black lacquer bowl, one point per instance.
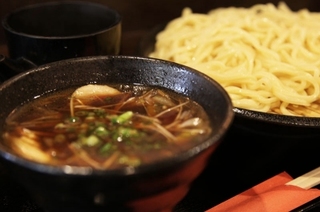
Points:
(260, 144)
(155, 187)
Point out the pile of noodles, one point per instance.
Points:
(267, 57)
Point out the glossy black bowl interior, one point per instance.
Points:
(70, 188)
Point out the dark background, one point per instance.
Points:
(141, 15)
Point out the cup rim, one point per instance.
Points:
(7, 27)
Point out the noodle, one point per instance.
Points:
(266, 57)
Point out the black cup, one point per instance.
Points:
(48, 32)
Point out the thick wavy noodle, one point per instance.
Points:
(267, 57)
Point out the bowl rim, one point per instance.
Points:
(114, 25)
(85, 171)
(279, 119)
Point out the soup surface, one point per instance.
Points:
(106, 127)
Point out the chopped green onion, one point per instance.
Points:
(128, 132)
(124, 117)
(92, 140)
(106, 147)
(101, 132)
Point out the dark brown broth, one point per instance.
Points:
(139, 140)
